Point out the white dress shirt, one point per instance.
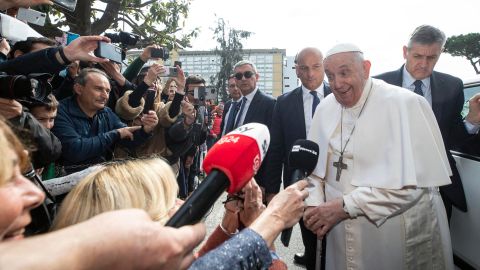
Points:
(307, 104)
(247, 105)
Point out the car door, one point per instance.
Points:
(465, 227)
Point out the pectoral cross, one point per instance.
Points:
(340, 166)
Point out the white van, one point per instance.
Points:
(465, 227)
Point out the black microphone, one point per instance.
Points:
(302, 159)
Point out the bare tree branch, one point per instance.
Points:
(111, 12)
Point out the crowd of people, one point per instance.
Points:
(131, 142)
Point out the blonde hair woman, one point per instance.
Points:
(17, 194)
(147, 184)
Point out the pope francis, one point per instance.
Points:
(374, 192)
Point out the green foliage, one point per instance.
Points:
(155, 21)
(467, 46)
(230, 50)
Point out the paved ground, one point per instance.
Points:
(295, 246)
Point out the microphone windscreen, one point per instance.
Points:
(303, 156)
(239, 154)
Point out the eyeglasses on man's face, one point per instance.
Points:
(247, 74)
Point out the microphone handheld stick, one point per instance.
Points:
(302, 159)
(230, 164)
(197, 205)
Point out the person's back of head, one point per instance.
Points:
(147, 184)
(31, 44)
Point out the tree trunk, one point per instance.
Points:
(79, 21)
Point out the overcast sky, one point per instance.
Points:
(380, 28)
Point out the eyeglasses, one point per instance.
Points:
(246, 74)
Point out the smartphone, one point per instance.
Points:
(149, 100)
(177, 63)
(71, 37)
(66, 4)
(210, 93)
(109, 51)
(159, 53)
(199, 93)
(31, 16)
(170, 72)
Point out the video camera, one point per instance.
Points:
(30, 89)
(112, 52)
(123, 38)
(162, 53)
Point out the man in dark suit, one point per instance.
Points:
(229, 111)
(293, 115)
(444, 93)
(255, 107)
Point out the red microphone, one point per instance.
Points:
(230, 163)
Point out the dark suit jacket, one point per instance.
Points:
(260, 111)
(287, 127)
(226, 110)
(447, 105)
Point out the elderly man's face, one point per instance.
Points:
(347, 75)
(420, 59)
(94, 95)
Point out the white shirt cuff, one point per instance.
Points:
(471, 128)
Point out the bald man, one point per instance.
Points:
(292, 116)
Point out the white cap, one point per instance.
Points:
(343, 47)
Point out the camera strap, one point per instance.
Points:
(34, 176)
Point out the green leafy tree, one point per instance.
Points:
(153, 20)
(467, 46)
(230, 50)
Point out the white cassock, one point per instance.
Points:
(396, 160)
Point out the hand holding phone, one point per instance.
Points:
(109, 51)
(149, 100)
(160, 53)
(169, 72)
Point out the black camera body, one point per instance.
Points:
(30, 89)
(124, 38)
(162, 53)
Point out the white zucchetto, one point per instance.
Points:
(343, 47)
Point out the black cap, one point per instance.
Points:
(303, 156)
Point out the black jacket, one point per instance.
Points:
(47, 146)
